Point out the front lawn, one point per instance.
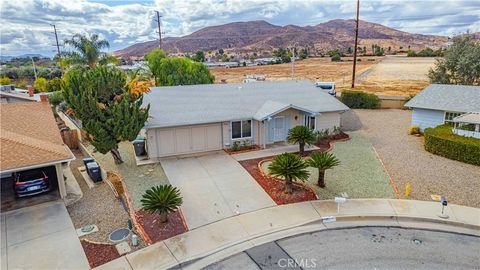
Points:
(359, 175)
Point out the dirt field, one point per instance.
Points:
(397, 75)
(310, 69)
(390, 75)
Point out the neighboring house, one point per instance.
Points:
(30, 139)
(467, 125)
(200, 118)
(438, 104)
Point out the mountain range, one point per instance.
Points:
(259, 36)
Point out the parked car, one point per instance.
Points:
(31, 182)
(329, 87)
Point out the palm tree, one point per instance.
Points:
(322, 161)
(87, 50)
(162, 199)
(289, 167)
(302, 135)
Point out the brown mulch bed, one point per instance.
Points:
(275, 189)
(98, 254)
(324, 144)
(157, 231)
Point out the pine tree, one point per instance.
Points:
(101, 99)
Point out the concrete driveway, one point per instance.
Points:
(214, 187)
(40, 237)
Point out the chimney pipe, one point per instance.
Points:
(44, 97)
(31, 91)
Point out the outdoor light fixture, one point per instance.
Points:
(269, 118)
(339, 200)
(444, 203)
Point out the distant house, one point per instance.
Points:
(30, 139)
(438, 104)
(209, 117)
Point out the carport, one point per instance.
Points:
(30, 140)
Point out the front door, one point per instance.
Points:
(279, 129)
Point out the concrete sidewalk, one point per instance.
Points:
(274, 151)
(229, 236)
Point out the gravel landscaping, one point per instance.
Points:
(407, 161)
(98, 206)
(138, 179)
(359, 175)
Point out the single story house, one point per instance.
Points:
(467, 125)
(438, 104)
(199, 118)
(30, 139)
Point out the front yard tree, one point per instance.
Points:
(87, 50)
(169, 71)
(322, 161)
(303, 136)
(163, 199)
(101, 99)
(289, 167)
(461, 63)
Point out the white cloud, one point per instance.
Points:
(26, 29)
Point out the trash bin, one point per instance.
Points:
(87, 160)
(139, 146)
(94, 171)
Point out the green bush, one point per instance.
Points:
(56, 98)
(336, 58)
(441, 141)
(360, 100)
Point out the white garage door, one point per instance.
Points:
(188, 139)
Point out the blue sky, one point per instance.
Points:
(26, 29)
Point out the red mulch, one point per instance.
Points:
(275, 189)
(324, 144)
(158, 231)
(98, 254)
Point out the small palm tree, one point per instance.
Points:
(162, 199)
(302, 135)
(322, 161)
(87, 50)
(289, 167)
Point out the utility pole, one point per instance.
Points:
(356, 44)
(34, 68)
(159, 30)
(293, 64)
(56, 39)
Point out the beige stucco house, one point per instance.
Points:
(200, 118)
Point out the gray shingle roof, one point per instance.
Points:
(472, 118)
(445, 97)
(210, 103)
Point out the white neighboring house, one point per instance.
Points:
(467, 125)
(200, 118)
(438, 104)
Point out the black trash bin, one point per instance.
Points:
(139, 146)
(87, 160)
(94, 171)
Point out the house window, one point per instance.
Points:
(241, 129)
(450, 115)
(310, 121)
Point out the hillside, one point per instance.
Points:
(261, 36)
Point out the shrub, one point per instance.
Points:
(413, 130)
(40, 84)
(360, 100)
(54, 85)
(164, 199)
(5, 81)
(336, 58)
(441, 141)
(56, 98)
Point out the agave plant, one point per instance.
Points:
(289, 167)
(303, 136)
(322, 161)
(162, 199)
